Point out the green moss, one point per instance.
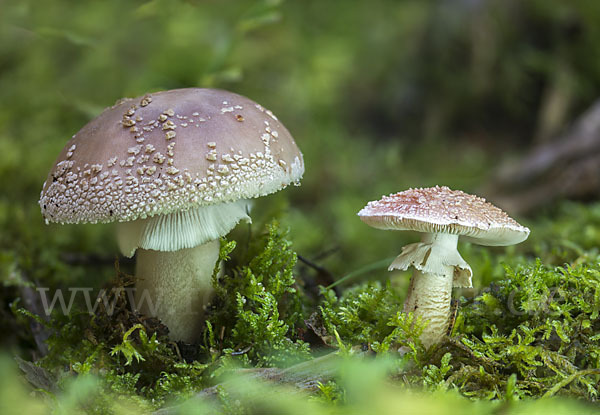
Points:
(531, 333)
(539, 323)
(370, 316)
(258, 306)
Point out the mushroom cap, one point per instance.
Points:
(170, 151)
(442, 210)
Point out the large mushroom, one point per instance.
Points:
(442, 215)
(176, 170)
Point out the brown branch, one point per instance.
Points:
(568, 167)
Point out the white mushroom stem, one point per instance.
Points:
(438, 267)
(175, 286)
(176, 255)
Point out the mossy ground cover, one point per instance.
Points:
(526, 339)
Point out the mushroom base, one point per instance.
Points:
(175, 287)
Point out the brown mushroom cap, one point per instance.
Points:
(442, 210)
(170, 151)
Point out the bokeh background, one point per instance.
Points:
(380, 96)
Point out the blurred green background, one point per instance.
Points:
(380, 96)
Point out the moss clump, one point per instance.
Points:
(533, 333)
(258, 306)
(370, 316)
(125, 353)
(541, 324)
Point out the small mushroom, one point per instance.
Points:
(176, 169)
(442, 215)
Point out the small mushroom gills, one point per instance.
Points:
(176, 170)
(442, 215)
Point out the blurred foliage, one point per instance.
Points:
(366, 391)
(380, 96)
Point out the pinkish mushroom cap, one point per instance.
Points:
(442, 210)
